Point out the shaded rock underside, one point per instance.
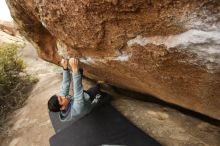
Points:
(169, 49)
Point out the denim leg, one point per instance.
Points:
(65, 84)
(93, 91)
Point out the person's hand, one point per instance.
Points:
(64, 63)
(74, 64)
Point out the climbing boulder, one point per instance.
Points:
(169, 49)
(8, 33)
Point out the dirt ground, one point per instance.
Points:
(30, 125)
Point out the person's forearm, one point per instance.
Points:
(77, 85)
(66, 83)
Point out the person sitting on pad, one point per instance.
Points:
(82, 102)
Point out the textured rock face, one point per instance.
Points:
(169, 49)
(8, 27)
(9, 34)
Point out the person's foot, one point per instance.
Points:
(100, 99)
(64, 63)
(74, 63)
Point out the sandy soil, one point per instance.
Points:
(30, 124)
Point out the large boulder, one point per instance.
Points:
(8, 33)
(166, 48)
(8, 27)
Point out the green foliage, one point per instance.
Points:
(15, 83)
(10, 67)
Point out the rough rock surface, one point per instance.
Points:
(8, 27)
(169, 49)
(9, 34)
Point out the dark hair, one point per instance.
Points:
(53, 104)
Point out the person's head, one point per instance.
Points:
(57, 103)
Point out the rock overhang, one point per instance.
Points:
(169, 49)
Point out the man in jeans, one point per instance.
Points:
(82, 102)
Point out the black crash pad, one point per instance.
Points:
(57, 124)
(103, 126)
